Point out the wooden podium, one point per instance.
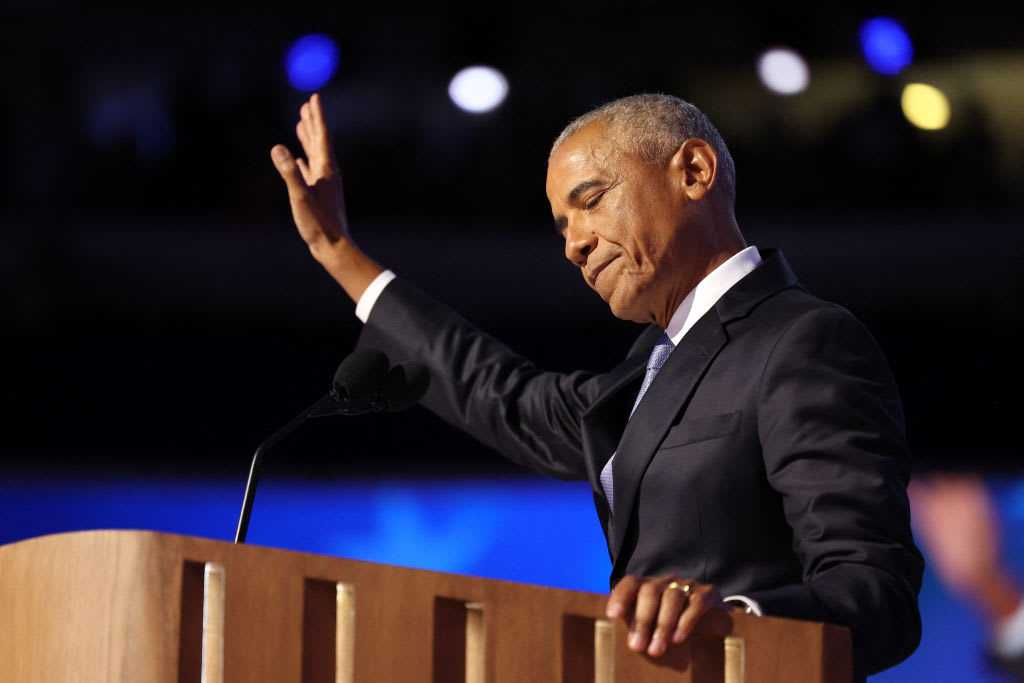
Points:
(141, 607)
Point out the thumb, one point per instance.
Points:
(288, 169)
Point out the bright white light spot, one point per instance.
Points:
(925, 106)
(783, 71)
(478, 89)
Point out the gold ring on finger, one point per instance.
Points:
(684, 587)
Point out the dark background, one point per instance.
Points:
(160, 314)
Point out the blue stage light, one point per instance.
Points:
(886, 46)
(311, 61)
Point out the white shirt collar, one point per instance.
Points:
(709, 290)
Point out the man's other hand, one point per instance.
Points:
(660, 610)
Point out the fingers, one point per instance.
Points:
(302, 133)
(648, 606)
(622, 597)
(304, 169)
(322, 135)
(305, 129)
(316, 141)
(316, 116)
(659, 611)
(637, 601)
(306, 118)
(702, 598)
(289, 170)
(674, 600)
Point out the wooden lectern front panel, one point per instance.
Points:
(126, 606)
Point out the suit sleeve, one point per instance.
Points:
(831, 428)
(481, 386)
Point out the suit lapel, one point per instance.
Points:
(672, 389)
(667, 396)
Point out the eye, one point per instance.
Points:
(591, 203)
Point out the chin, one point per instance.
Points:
(627, 310)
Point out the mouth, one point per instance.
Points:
(596, 271)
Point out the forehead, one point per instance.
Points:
(590, 151)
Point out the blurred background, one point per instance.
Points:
(160, 317)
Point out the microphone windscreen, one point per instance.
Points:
(405, 385)
(361, 374)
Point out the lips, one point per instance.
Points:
(596, 271)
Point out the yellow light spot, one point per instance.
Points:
(925, 106)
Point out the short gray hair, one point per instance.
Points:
(654, 126)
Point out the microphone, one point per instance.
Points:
(363, 383)
(405, 385)
(356, 381)
(360, 374)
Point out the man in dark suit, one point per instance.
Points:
(751, 442)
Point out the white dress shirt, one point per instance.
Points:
(372, 293)
(709, 290)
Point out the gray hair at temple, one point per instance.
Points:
(654, 126)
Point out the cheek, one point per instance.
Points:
(627, 231)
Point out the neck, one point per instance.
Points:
(723, 240)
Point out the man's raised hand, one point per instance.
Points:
(318, 203)
(314, 187)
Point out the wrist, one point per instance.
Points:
(998, 595)
(348, 265)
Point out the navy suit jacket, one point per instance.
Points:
(767, 457)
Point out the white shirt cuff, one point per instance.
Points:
(365, 304)
(1008, 637)
(751, 606)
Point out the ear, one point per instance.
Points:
(696, 165)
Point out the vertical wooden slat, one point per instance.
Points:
(214, 578)
(604, 651)
(475, 641)
(345, 634)
(734, 660)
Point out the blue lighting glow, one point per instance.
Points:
(530, 530)
(311, 61)
(886, 45)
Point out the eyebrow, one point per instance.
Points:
(575, 193)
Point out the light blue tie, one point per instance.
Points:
(658, 356)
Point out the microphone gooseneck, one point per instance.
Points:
(363, 383)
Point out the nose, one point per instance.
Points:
(579, 244)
